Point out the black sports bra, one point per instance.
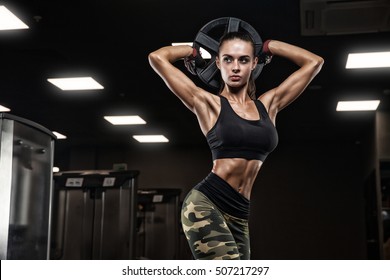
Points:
(236, 137)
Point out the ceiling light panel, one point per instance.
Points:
(8, 21)
(151, 138)
(364, 105)
(125, 120)
(368, 60)
(59, 135)
(4, 109)
(80, 83)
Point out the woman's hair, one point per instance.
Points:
(247, 38)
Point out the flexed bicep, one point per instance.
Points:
(291, 88)
(183, 87)
(295, 84)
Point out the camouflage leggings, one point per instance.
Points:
(211, 233)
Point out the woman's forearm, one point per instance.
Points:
(171, 53)
(296, 54)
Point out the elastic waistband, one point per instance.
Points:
(224, 196)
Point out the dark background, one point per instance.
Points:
(310, 199)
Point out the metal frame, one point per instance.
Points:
(7, 139)
(6, 150)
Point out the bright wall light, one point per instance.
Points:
(56, 169)
(124, 120)
(80, 83)
(151, 138)
(59, 135)
(368, 60)
(205, 54)
(364, 105)
(4, 109)
(8, 21)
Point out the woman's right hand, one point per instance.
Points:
(194, 61)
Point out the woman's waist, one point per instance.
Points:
(239, 173)
(225, 198)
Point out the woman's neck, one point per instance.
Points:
(238, 95)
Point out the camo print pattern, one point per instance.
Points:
(212, 234)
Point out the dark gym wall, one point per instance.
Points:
(383, 135)
(307, 203)
(310, 207)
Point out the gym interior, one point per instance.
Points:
(323, 193)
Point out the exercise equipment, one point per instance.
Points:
(94, 215)
(26, 163)
(208, 38)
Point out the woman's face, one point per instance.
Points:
(236, 62)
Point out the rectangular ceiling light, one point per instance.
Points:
(8, 21)
(125, 120)
(364, 105)
(368, 60)
(4, 109)
(151, 138)
(80, 83)
(59, 135)
(205, 54)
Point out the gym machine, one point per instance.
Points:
(26, 164)
(94, 215)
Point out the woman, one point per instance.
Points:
(240, 130)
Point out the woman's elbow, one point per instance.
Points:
(153, 57)
(156, 60)
(319, 61)
(316, 63)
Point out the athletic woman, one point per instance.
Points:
(240, 130)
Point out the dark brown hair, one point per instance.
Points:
(247, 38)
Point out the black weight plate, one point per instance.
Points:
(208, 38)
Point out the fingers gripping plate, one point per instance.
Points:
(208, 38)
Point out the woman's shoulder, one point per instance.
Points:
(205, 96)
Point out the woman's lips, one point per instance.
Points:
(235, 78)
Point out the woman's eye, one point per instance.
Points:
(244, 60)
(227, 59)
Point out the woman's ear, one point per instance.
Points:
(255, 63)
(217, 62)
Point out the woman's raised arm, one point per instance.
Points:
(162, 61)
(309, 66)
